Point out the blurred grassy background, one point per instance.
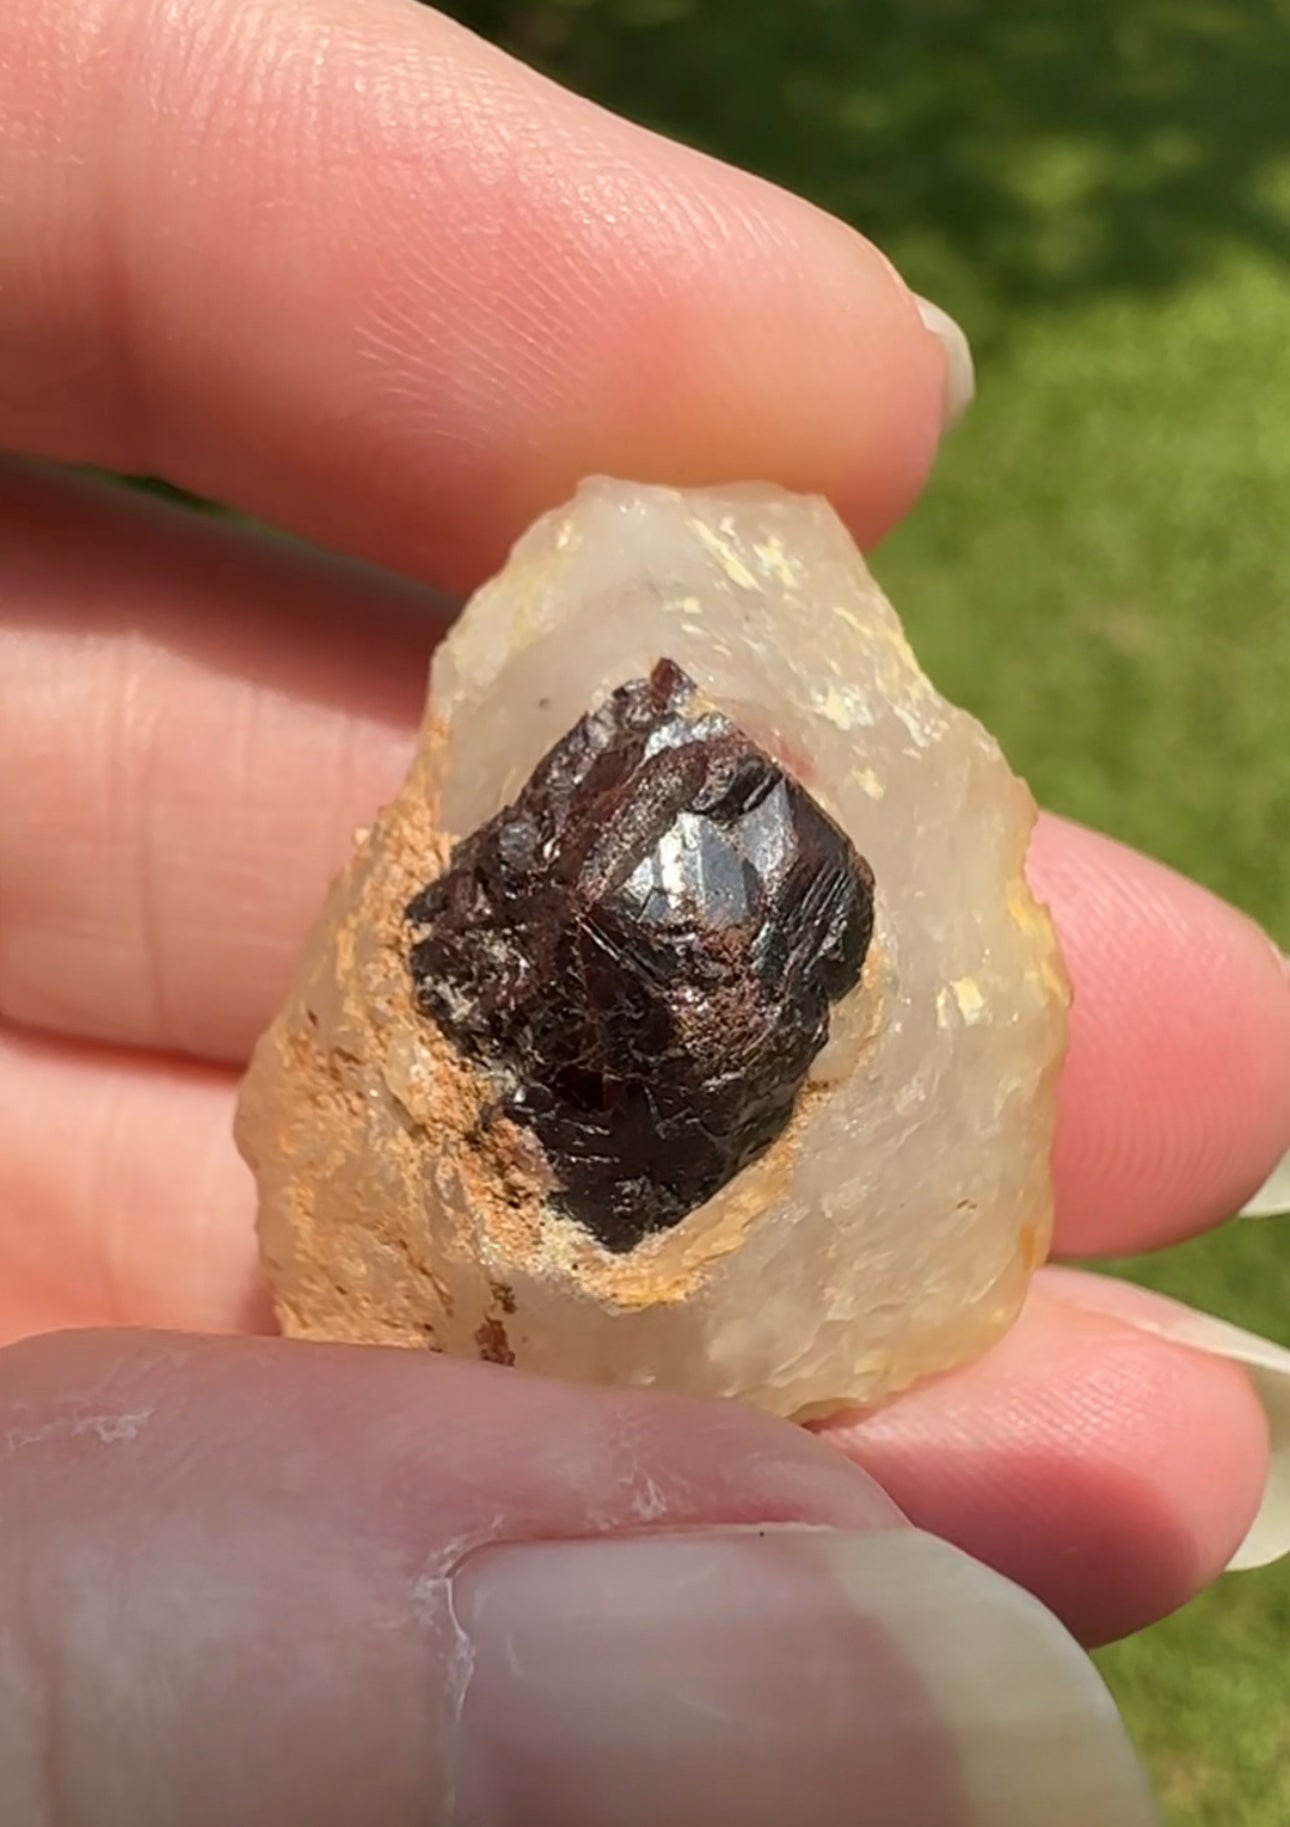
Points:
(1100, 191)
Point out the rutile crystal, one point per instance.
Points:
(642, 951)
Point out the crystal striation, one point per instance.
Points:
(642, 950)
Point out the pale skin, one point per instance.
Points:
(351, 270)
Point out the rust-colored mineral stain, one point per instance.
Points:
(1031, 1246)
(494, 1346)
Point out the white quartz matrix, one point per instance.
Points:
(890, 1233)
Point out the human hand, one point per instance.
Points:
(361, 276)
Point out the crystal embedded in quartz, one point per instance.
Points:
(890, 1228)
(642, 950)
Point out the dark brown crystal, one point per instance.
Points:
(641, 952)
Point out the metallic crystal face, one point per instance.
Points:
(640, 953)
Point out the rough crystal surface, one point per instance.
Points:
(642, 950)
(888, 1232)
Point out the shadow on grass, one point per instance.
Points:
(1031, 151)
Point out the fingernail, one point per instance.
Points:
(763, 1676)
(1266, 1364)
(960, 376)
(1273, 1197)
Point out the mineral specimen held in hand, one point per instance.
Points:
(609, 1056)
(641, 953)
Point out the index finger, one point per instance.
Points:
(358, 273)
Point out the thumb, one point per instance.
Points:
(254, 1581)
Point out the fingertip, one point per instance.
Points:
(1110, 1473)
(741, 334)
(1175, 1096)
(1265, 1370)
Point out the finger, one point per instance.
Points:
(468, 289)
(1106, 1470)
(122, 1199)
(1264, 1362)
(1175, 1096)
(193, 721)
(282, 1583)
(213, 720)
(1110, 1471)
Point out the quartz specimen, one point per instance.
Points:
(686, 1020)
(643, 949)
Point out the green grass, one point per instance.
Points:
(1100, 191)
